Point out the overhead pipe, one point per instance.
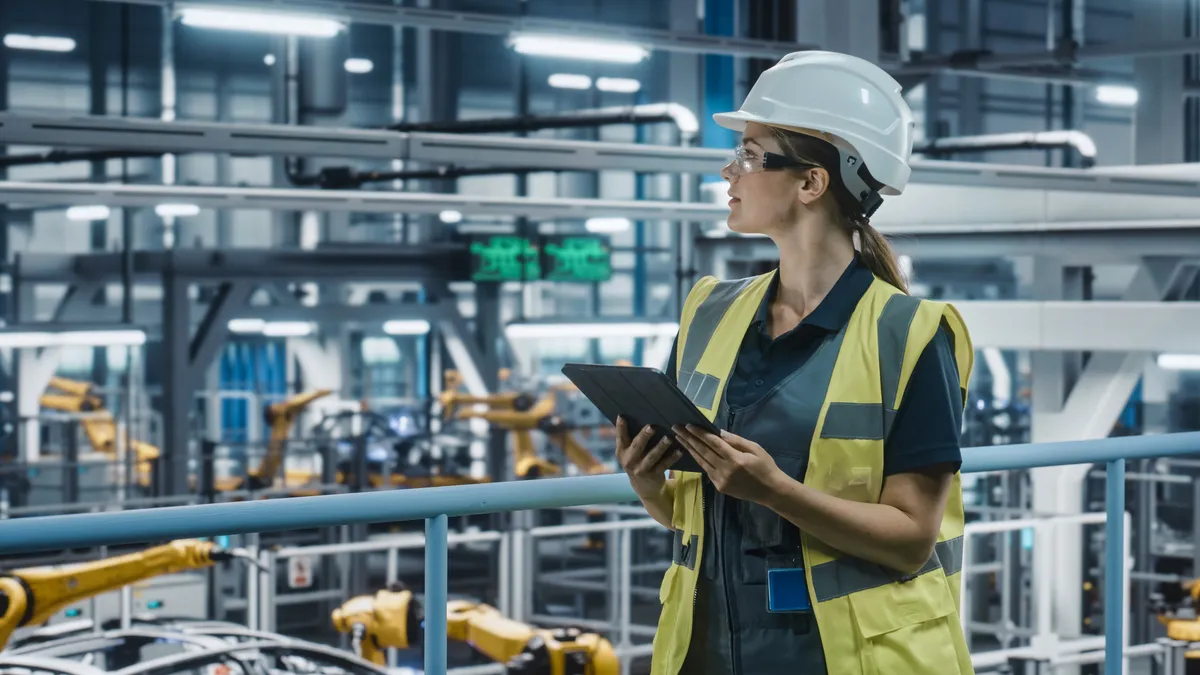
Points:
(675, 113)
(343, 177)
(66, 156)
(1029, 140)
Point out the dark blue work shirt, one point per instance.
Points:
(927, 427)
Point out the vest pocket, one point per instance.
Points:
(905, 627)
(763, 531)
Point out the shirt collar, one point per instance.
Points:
(835, 309)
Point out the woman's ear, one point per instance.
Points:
(813, 184)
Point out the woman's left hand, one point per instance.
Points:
(737, 467)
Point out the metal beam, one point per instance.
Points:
(350, 201)
(1065, 325)
(212, 332)
(1073, 247)
(923, 210)
(472, 150)
(497, 24)
(411, 263)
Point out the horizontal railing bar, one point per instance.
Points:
(207, 520)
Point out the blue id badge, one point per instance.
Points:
(787, 590)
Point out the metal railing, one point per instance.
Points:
(435, 505)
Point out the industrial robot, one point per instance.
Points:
(520, 414)
(280, 417)
(98, 425)
(393, 619)
(29, 597)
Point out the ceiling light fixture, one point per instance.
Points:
(88, 213)
(607, 225)
(543, 330)
(584, 49)
(1117, 95)
(619, 85)
(406, 327)
(176, 210)
(55, 335)
(570, 81)
(260, 22)
(39, 43)
(359, 66)
(1179, 361)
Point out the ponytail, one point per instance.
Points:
(876, 252)
(878, 256)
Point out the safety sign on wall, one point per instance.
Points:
(299, 572)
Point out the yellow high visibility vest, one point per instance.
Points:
(872, 620)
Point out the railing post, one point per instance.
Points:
(436, 592)
(1114, 568)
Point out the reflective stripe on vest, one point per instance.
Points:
(873, 421)
(848, 575)
(684, 553)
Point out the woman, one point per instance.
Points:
(825, 534)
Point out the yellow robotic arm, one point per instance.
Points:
(99, 427)
(391, 619)
(31, 596)
(281, 416)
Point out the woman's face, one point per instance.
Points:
(761, 202)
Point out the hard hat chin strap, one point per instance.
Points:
(854, 177)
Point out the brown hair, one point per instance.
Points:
(877, 253)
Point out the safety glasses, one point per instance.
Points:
(746, 162)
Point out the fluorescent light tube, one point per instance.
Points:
(88, 213)
(270, 328)
(607, 225)
(593, 329)
(570, 81)
(39, 43)
(450, 217)
(1179, 361)
(359, 66)
(619, 85)
(406, 327)
(91, 337)
(287, 329)
(245, 326)
(1114, 94)
(572, 47)
(260, 22)
(177, 210)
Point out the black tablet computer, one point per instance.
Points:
(643, 396)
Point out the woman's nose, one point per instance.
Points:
(727, 172)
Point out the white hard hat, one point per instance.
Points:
(850, 102)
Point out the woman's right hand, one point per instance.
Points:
(646, 469)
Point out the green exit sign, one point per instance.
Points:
(568, 258)
(576, 258)
(504, 258)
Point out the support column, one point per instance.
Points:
(970, 89)
(685, 72)
(179, 384)
(185, 363)
(847, 26)
(1159, 117)
(1098, 391)
(488, 329)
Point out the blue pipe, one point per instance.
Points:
(437, 578)
(49, 533)
(1114, 568)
